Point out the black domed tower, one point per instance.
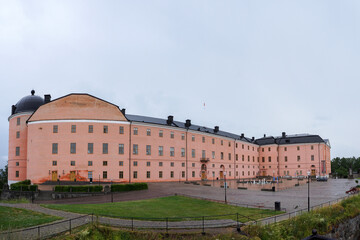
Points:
(17, 156)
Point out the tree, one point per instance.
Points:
(3, 177)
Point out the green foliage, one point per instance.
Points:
(340, 166)
(3, 177)
(128, 187)
(78, 189)
(23, 187)
(323, 219)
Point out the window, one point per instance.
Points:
(269, 159)
(285, 149)
(72, 163)
(172, 174)
(160, 164)
(253, 159)
(121, 130)
(262, 149)
(248, 147)
(242, 146)
(135, 163)
(203, 154)
(148, 149)
(105, 148)
(90, 175)
(172, 151)
(105, 163)
(105, 129)
(54, 163)
(213, 165)
(221, 155)
(236, 157)
(183, 164)
(222, 142)
(312, 147)
(193, 164)
(193, 153)
(229, 144)
(236, 145)
(229, 156)
(135, 131)
(54, 148)
(17, 134)
(160, 174)
(312, 158)
(121, 174)
(203, 139)
(73, 128)
(171, 134)
(148, 164)
(90, 148)
(286, 159)
(121, 148)
(17, 173)
(298, 166)
(18, 121)
(121, 163)
(91, 129)
(298, 158)
(298, 148)
(55, 128)
(213, 141)
(161, 134)
(135, 149)
(193, 138)
(182, 136)
(104, 174)
(269, 149)
(242, 158)
(90, 163)
(135, 174)
(263, 159)
(148, 132)
(213, 154)
(17, 163)
(73, 148)
(171, 164)
(183, 152)
(193, 173)
(147, 174)
(248, 158)
(183, 174)
(17, 151)
(161, 152)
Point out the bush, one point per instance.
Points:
(23, 187)
(128, 187)
(78, 188)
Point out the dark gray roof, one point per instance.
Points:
(28, 103)
(290, 139)
(178, 124)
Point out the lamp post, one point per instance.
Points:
(213, 173)
(225, 186)
(308, 191)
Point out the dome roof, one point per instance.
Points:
(28, 103)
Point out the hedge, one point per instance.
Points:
(23, 187)
(78, 188)
(128, 187)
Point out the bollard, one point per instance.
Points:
(70, 225)
(132, 224)
(237, 222)
(167, 225)
(203, 223)
(38, 232)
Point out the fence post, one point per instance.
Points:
(70, 225)
(132, 224)
(39, 232)
(237, 222)
(203, 226)
(167, 225)
(275, 218)
(92, 218)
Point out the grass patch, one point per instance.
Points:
(177, 207)
(14, 218)
(14, 201)
(323, 219)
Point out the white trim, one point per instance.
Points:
(79, 120)
(134, 123)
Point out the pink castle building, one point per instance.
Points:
(81, 137)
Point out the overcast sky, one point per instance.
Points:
(260, 67)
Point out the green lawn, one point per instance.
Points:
(166, 207)
(13, 218)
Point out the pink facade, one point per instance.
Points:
(80, 136)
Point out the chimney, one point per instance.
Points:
(216, 129)
(123, 111)
(13, 108)
(253, 139)
(187, 123)
(242, 135)
(47, 98)
(170, 120)
(284, 134)
(264, 135)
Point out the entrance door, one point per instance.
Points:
(203, 175)
(264, 173)
(54, 176)
(313, 172)
(72, 175)
(221, 174)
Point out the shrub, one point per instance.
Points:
(128, 187)
(23, 187)
(78, 188)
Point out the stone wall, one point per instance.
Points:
(348, 230)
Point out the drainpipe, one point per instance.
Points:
(234, 160)
(186, 154)
(130, 152)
